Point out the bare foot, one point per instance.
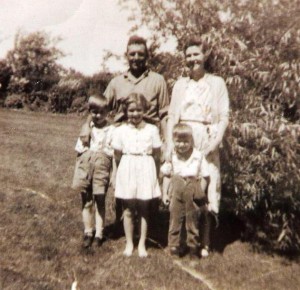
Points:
(142, 251)
(128, 250)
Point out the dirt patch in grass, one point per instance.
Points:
(41, 230)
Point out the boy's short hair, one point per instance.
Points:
(183, 131)
(97, 102)
(135, 39)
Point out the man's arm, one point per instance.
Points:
(172, 113)
(110, 94)
(163, 99)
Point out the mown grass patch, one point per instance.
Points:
(41, 227)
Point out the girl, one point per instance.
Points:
(137, 153)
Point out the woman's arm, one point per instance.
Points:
(173, 116)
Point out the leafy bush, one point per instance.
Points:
(79, 105)
(254, 46)
(14, 101)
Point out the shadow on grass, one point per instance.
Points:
(229, 230)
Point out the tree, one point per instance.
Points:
(33, 64)
(255, 46)
(5, 75)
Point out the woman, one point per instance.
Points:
(201, 100)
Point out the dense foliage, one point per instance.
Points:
(31, 78)
(255, 47)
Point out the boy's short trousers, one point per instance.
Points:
(92, 169)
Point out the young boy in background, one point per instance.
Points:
(92, 170)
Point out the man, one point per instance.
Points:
(139, 79)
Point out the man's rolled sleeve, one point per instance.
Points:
(163, 98)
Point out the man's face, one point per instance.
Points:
(183, 145)
(137, 57)
(194, 58)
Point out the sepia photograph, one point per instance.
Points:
(150, 144)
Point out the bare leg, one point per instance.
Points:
(99, 214)
(144, 218)
(128, 229)
(142, 242)
(87, 213)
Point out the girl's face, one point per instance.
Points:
(135, 113)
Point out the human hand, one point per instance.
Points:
(168, 153)
(213, 208)
(166, 199)
(85, 140)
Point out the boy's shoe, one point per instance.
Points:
(178, 251)
(205, 252)
(99, 241)
(194, 253)
(175, 251)
(87, 241)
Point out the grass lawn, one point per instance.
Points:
(41, 230)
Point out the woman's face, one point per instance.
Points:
(135, 113)
(194, 58)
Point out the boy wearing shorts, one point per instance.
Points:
(92, 170)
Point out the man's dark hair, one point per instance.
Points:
(135, 39)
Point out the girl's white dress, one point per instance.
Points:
(136, 175)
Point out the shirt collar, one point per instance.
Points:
(139, 126)
(133, 79)
(204, 78)
(105, 127)
(192, 157)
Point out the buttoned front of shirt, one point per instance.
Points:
(198, 103)
(217, 100)
(138, 140)
(101, 139)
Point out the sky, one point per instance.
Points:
(88, 29)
